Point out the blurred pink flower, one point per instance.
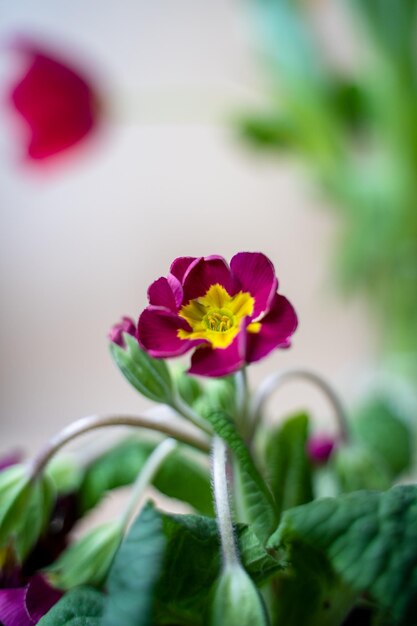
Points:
(320, 448)
(59, 105)
(24, 606)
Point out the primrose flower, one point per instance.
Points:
(59, 105)
(126, 325)
(24, 606)
(231, 315)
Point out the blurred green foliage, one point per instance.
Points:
(357, 135)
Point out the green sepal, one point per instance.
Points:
(87, 561)
(181, 476)
(135, 571)
(287, 467)
(151, 377)
(79, 607)
(192, 564)
(15, 491)
(65, 473)
(369, 541)
(256, 506)
(236, 601)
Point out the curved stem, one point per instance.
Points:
(276, 380)
(242, 399)
(145, 477)
(87, 424)
(222, 502)
(186, 411)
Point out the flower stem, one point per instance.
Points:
(86, 424)
(222, 502)
(242, 399)
(145, 477)
(186, 411)
(276, 380)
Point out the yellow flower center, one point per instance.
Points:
(216, 316)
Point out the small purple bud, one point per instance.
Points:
(320, 448)
(12, 458)
(126, 325)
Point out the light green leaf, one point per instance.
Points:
(36, 515)
(257, 506)
(181, 476)
(287, 465)
(79, 607)
(14, 496)
(135, 572)
(87, 561)
(369, 540)
(357, 467)
(149, 376)
(378, 427)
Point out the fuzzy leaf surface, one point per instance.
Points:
(368, 538)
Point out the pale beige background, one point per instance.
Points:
(80, 245)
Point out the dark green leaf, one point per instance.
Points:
(379, 428)
(149, 376)
(135, 572)
(79, 607)
(181, 475)
(288, 468)
(369, 540)
(192, 565)
(258, 508)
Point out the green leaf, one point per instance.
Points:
(368, 539)
(24, 507)
(87, 561)
(379, 428)
(181, 476)
(288, 468)
(79, 607)
(357, 467)
(187, 386)
(135, 572)
(36, 515)
(193, 562)
(267, 131)
(258, 508)
(149, 376)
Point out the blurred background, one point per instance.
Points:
(273, 125)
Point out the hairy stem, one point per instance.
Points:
(145, 477)
(222, 503)
(87, 424)
(276, 380)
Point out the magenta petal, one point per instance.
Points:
(181, 265)
(40, 597)
(204, 273)
(157, 333)
(115, 334)
(277, 328)
(12, 608)
(255, 274)
(219, 362)
(160, 294)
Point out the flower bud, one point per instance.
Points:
(237, 601)
(320, 448)
(126, 325)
